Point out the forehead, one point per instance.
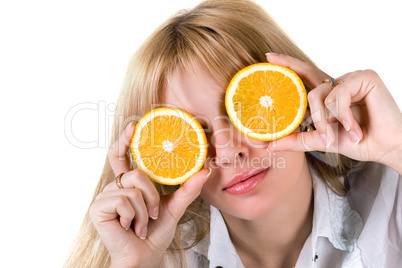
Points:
(196, 91)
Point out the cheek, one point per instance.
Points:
(290, 162)
(288, 168)
(211, 189)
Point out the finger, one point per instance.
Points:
(114, 208)
(138, 179)
(299, 142)
(118, 159)
(339, 102)
(136, 199)
(308, 73)
(316, 98)
(187, 193)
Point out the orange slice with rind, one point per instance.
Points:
(169, 145)
(266, 101)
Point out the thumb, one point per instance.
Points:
(187, 193)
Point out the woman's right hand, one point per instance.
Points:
(122, 216)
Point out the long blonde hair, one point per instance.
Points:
(225, 35)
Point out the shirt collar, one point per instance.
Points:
(333, 217)
(221, 251)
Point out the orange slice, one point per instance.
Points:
(266, 101)
(169, 145)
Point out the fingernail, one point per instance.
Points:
(144, 232)
(325, 140)
(209, 173)
(354, 137)
(272, 149)
(346, 125)
(155, 213)
(129, 125)
(271, 54)
(273, 146)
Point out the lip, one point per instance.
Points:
(241, 182)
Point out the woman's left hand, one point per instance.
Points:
(370, 126)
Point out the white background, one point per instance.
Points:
(59, 56)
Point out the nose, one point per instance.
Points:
(228, 143)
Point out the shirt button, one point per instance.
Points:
(315, 258)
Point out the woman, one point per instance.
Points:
(301, 214)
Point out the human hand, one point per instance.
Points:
(371, 122)
(121, 216)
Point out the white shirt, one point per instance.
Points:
(363, 229)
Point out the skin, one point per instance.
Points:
(268, 225)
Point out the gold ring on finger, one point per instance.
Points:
(331, 81)
(118, 180)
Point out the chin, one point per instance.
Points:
(250, 209)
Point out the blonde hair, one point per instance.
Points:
(225, 36)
